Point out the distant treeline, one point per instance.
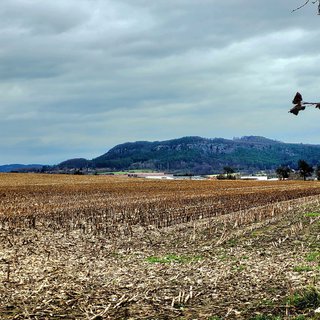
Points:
(200, 155)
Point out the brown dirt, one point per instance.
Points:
(232, 266)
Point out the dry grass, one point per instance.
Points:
(116, 248)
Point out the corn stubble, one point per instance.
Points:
(111, 206)
(77, 247)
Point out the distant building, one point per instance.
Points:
(259, 178)
(165, 177)
(151, 175)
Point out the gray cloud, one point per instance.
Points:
(79, 76)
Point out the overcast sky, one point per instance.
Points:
(78, 77)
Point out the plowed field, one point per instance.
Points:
(98, 247)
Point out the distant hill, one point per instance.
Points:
(202, 155)
(19, 167)
(75, 163)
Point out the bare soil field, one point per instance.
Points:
(99, 247)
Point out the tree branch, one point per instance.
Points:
(313, 2)
(301, 6)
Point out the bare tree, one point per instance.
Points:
(307, 2)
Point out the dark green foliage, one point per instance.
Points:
(305, 169)
(78, 172)
(75, 164)
(226, 177)
(203, 156)
(317, 171)
(309, 299)
(228, 170)
(283, 172)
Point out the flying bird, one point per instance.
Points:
(297, 100)
(301, 105)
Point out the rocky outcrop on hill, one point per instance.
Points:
(202, 155)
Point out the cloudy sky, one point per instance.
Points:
(78, 77)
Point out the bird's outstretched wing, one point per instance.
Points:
(295, 110)
(301, 105)
(297, 98)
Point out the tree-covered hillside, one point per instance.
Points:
(201, 155)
